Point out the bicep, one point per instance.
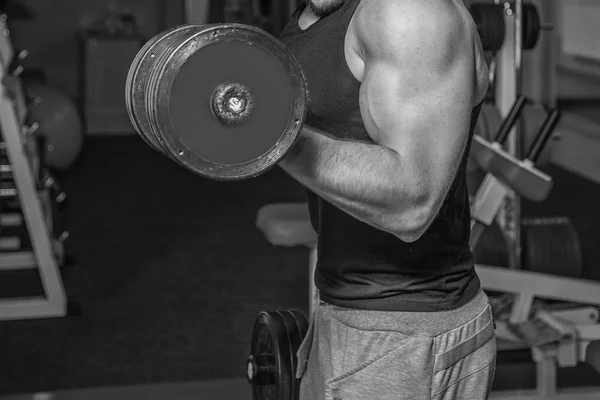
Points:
(422, 113)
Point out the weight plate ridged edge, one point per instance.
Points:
(138, 77)
(155, 75)
(284, 359)
(273, 320)
(288, 138)
(131, 77)
(531, 26)
(301, 320)
(295, 340)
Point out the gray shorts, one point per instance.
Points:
(359, 355)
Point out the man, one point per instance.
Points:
(394, 90)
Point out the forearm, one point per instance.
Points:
(367, 181)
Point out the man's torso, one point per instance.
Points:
(360, 266)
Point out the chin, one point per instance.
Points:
(323, 8)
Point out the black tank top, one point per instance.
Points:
(358, 265)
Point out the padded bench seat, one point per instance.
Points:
(286, 224)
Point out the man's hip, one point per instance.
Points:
(357, 354)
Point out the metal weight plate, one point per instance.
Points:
(295, 337)
(138, 77)
(531, 26)
(229, 102)
(269, 364)
(551, 246)
(489, 20)
(301, 321)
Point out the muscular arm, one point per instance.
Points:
(416, 98)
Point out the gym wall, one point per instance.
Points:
(52, 40)
(54, 44)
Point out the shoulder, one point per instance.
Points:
(425, 29)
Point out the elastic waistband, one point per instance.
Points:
(411, 323)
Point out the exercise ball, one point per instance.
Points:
(59, 124)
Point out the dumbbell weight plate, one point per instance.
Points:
(489, 19)
(138, 77)
(228, 102)
(269, 366)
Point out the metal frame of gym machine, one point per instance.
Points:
(579, 326)
(43, 257)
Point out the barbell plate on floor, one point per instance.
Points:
(269, 364)
(228, 103)
(295, 337)
(302, 322)
(551, 246)
(138, 77)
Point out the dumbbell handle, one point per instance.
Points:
(511, 119)
(544, 134)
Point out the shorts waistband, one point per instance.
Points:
(411, 323)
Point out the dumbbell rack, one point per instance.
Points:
(43, 256)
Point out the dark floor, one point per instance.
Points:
(171, 272)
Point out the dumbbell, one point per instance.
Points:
(191, 98)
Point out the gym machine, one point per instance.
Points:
(30, 198)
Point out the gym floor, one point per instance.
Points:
(170, 273)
